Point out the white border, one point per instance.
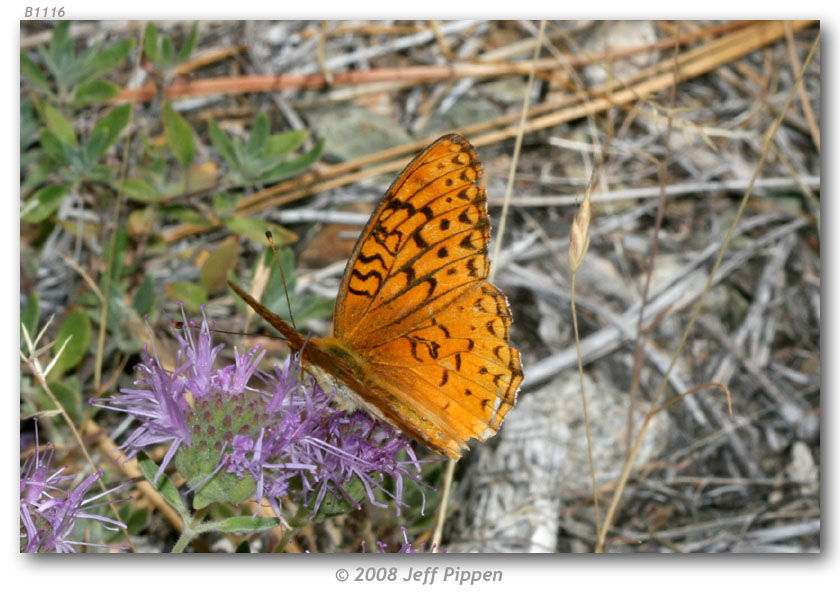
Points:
(627, 576)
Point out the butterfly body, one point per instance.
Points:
(420, 338)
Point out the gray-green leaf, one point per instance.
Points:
(96, 91)
(246, 524)
(189, 45)
(43, 203)
(106, 59)
(178, 134)
(137, 189)
(191, 294)
(259, 136)
(76, 328)
(31, 315)
(222, 143)
(58, 124)
(107, 130)
(254, 229)
(296, 164)
(150, 42)
(33, 73)
(166, 488)
(286, 142)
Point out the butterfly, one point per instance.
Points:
(420, 337)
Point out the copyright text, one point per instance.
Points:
(427, 576)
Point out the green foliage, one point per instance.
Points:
(73, 140)
(160, 49)
(144, 298)
(265, 156)
(335, 504)
(30, 316)
(161, 483)
(68, 397)
(254, 229)
(192, 295)
(151, 180)
(106, 131)
(179, 135)
(73, 162)
(135, 519)
(43, 203)
(74, 338)
(215, 270)
(304, 308)
(59, 126)
(247, 524)
(71, 153)
(76, 77)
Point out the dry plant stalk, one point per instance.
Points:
(578, 245)
(579, 235)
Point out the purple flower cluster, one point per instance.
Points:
(280, 429)
(48, 511)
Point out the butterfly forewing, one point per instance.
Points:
(425, 245)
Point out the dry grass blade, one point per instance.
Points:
(578, 245)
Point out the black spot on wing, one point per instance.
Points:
(418, 239)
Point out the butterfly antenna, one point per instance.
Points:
(270, 239)
(183, 325)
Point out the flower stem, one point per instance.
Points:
(192, 527)
(186, 536)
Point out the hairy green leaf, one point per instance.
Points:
(295, 165)
(58, 124)
(189, 45)
(215, 269)
(167, 50)
(30, 316)
(191, 294)
(43, 203)
(103, 60)
(144, 297)
(75, 331)
(259, 137)
(178, 134)
(150, 42)
(107, 130)
(254, 230)
(162, 484)
(286, 142)
(53, 146)
(96, 91)
(137, 189)
(33, 73)
(223, 144)
(246, 524)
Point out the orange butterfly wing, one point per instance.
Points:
(420, 337)
(416, 307)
